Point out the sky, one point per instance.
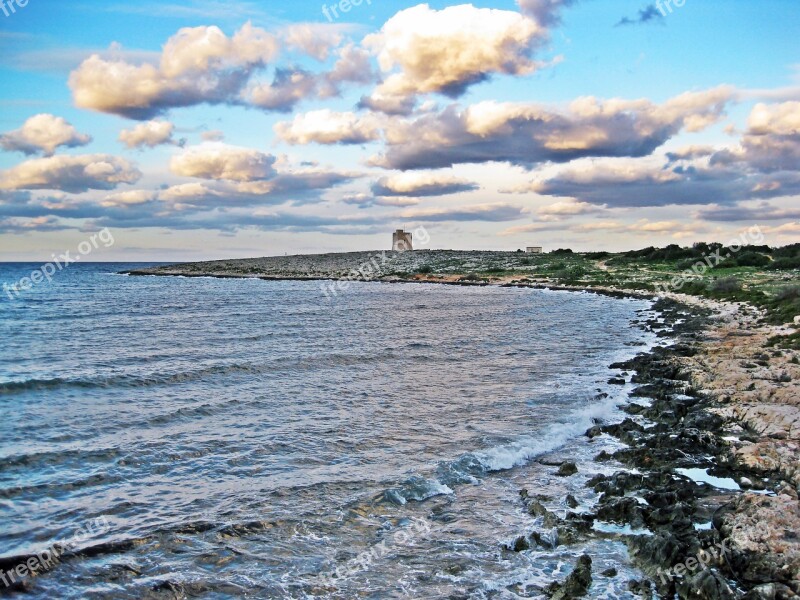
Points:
(209, 129)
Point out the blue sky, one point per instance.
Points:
(497, 145)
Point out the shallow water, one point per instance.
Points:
(250, 438)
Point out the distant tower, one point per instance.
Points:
(401, 241)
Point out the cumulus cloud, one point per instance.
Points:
(627, 182)
(129, 198)
(298, 185)
(43, 133)
(197, 65)
(421, 184)
(315, 39)
(328, 127)
(70, 173)
(772, 140)
(423, 50)
(567, 208)
(528, 134)
(289, 87)
(222, 162)
(150, 134)
(17, 226)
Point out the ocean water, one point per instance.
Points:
(243, 438)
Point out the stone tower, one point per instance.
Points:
(401, 241)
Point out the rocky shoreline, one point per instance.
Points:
(708, 493)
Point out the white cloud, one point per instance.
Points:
(197, 65)
(529, 134)
(424, 50)
(43, 133)
(328, 127)
(70, 173)
(421, 184)
(151, 134)
(315, 39)
(129, 198)
(222, 162)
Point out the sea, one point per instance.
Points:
(167, 437)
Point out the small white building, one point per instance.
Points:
(534, 249)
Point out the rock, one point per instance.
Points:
(612, 572)
(571, 501)
(566, 469)
(641, 588)
(520, 544)
(771, 591)
(616, 381)
(594, 432)
(761, 537)
(705, 585)
(577, 584)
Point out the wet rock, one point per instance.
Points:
(520, 544)
(577, 584)
(621, 510)
(616, 381)
(705, 585)
(642, 589)
(612, 572)
(594, 432)
(571, 501)
(566, 469)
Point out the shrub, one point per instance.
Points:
(784, 264)
(571, 274)
(752, 259)
(425, 269)
(788, 294)
(726, 285)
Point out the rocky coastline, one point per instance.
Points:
(707, 487)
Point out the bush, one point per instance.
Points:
(571, 274)
(726, 285)
(784, 264)
(562, 252)
(792, 251)
(425, 269)
(752, 259)
(788, 294)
